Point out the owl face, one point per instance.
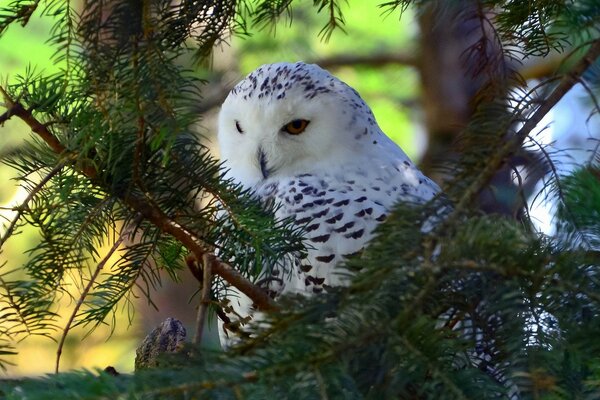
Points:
(288, 119)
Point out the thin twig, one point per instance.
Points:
(207, 261)
(148, 210)
(24, 205)
(85, 292)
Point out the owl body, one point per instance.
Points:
(338, 208)
(303, 139)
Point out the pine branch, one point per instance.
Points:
(14, 108)
(515, 142)
(84, 294)
(147, 209)
(25, 204)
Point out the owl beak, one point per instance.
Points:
(262, 161)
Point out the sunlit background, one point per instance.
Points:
(390, 87)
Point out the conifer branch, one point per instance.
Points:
(512, 144)
(25, 204)
(84, 294)
(147, 209)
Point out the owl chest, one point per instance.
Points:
(338, 217)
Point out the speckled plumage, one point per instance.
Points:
(339, 178)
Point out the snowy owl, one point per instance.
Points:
(297, 135)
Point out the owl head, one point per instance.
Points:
(286, 119)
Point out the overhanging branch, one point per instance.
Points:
(146, 208)
(511, 145)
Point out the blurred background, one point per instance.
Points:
(411, 70)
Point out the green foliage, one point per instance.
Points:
(473, 306)
(579, 211)
(122, 108)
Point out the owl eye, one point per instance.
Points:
(296, 127)
(238, 127)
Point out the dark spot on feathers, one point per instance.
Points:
(315, 280)
(325, 259)
(321, 213)
(304, 220)
(345, 227)
(361, 213)
(305, 268)
(356, 234)
(381, 218)
(298, 197)
(341, 203)
(320, 239)
(334, 219)
(312, 227)
(361, 199)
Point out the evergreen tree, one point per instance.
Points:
(480, 306)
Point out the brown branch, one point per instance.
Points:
(148, 210)
(565, 84)
(192, 243)
(15, 108)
